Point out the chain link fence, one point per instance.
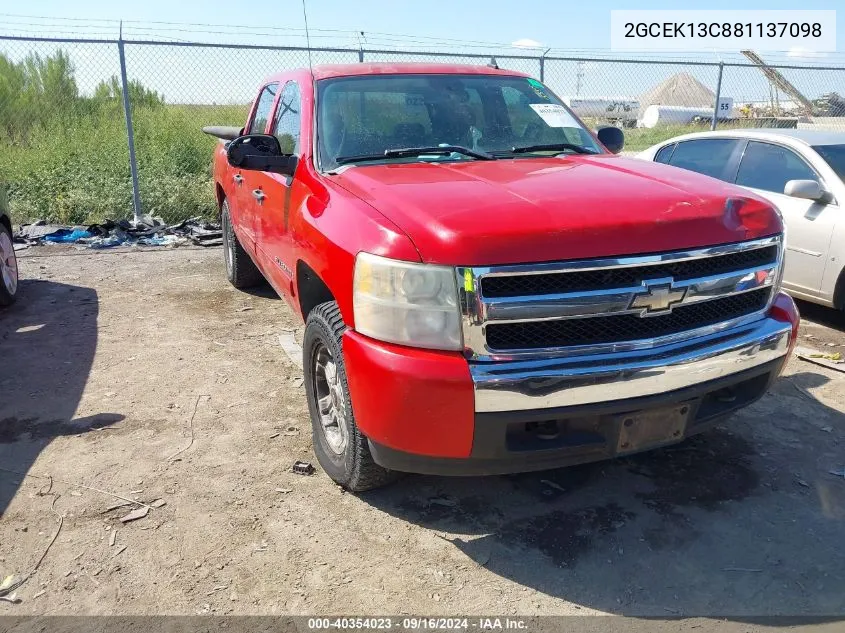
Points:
(64, 147)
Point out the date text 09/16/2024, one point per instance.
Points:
(419, 624)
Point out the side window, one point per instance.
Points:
(262, 109)
(665, 153)
(769, 167)
(705, 156)
(288, 118)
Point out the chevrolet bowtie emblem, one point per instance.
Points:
(657, 297)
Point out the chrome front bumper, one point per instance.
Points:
(562, 382)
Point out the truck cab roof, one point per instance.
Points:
(328, 71)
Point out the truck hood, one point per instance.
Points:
(524, 210)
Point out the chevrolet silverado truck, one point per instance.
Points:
(487, 286)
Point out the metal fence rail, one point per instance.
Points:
(96, 128)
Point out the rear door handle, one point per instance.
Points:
(238, 179)
(258, 195)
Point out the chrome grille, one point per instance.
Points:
(622, 328)
(634, 302)
(554, 283)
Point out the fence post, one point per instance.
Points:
(361, 56)
(543, 65)
(130, 133)
(718, 92)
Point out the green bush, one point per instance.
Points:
(64, 157)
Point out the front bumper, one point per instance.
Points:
(432, 412)
(582, 380)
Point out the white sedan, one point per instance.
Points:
(803, 173)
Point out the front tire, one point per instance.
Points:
(8, 268)
(340, 447)
(241, 271)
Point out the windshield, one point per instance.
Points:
(834, 155)
(361, 117)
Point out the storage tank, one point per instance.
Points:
(615, 108)
(655, 115)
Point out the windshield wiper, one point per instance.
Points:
(552, 147)
(405, 152)
(439, 149)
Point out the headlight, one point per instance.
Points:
(405, 303)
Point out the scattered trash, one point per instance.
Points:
(158, 503)
(302, 468)
(801, 482)
(284, 490)
(28, 328)
(274, 435)
(552, 484)
(291, 348)
(75, 493)
(839, 472)
(146, 232)
(119, 551)
(68, 236)
(831, 361)
(137, 513)
(827, 429)
(115, 506)
(298, 382)
(39, 594)
(9, 584)
(835, 356)
(136, 492)
(112, 538)
(244, 308)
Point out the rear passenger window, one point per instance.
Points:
(769, 167)
(665, 154)
(706, 156)
(262, 109)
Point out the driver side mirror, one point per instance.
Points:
(806, 189)
(260, 152)
(612, 138)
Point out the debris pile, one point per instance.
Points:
(146, 232)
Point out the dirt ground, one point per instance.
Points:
(145, 375)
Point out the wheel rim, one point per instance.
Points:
(227, 244)
(331, 404)
(8, 263)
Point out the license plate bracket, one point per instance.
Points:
(649, 429)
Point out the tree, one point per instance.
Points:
(139, 94)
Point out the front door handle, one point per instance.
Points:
(258, 195)
(238, 179)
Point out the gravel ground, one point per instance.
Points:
(144, 374)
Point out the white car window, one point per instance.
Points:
(769, 167)
(705, 156)
(665, 153)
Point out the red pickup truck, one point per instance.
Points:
(487, 288)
